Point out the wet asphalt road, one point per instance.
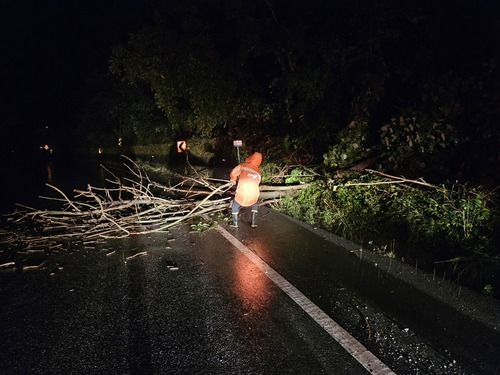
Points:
(191, 303)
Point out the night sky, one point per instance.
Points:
(51, 49)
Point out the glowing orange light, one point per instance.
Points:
(251, 286)
(181, 146)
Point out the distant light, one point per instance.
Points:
(46, 147)
(100, 150)
(120, 141)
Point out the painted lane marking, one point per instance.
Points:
(366, 358)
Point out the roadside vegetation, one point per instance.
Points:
(450, 229)
(328, 91)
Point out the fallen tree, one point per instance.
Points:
(134, 205)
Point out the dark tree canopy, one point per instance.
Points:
(338, 78)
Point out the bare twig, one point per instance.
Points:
(64, 195)
(130, 207)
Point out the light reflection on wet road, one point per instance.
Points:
(349, 343)
(194, 304)
(250, 286)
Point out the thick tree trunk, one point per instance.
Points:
(273, 192)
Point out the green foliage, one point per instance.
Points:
(350, 148)
(186, 89)
(353, 143)
(341, 79)
(299, 175)
(304, 72)
(382, 249)
(457, 216)
(412, 143)
(349, 211)
(120, 111)
(270, 172)
(190, 74)
(459, 220)
(305, 205)
(202, 226)
(488, 290)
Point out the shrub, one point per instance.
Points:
(351, 146)
(414, 144)
(453, 223)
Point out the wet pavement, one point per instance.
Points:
(192, 303)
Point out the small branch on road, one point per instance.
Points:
(365, 318)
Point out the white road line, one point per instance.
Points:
(366, 358)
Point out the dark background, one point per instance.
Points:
(55, 54)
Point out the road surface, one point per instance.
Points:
(280, 299)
